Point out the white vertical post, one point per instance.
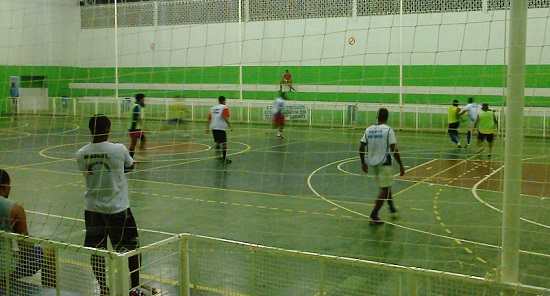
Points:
(184, 267)
(192, 110)
(401, 64)
(7, 245)
(511, 207)
(57, 271)
(123, 275)
(53, 106)
(249, 113)
(544, 124)
(241, 58)
(116, 60)
(310, 115)
(323, 280)
(111, 272)
(156, 14)
(167, 110)
(412, 284)
(118, 107)
(240, 51)
(485, 6)
(417, 118)
(354, 11)
(344, 117)
(74, 107)
(246, 11)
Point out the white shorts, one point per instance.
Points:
(383, 176)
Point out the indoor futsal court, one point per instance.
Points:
(291, 212)
(304, 192)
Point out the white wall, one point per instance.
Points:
(34, 32)
(428, 39)
(47, 32)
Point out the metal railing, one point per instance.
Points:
(187, 264)
(417, 117)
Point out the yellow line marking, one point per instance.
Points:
(468, 250)
(442, 224)
(481, 260)
(457, 241)
(448, 231)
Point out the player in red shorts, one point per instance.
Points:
(286, 80)
(136, 124)
(279, 115)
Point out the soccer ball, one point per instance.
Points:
(140, 292)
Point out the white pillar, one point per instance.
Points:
(514, 144)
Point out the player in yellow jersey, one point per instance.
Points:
(454, 122)
(486, 121)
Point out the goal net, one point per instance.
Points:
(338, 63)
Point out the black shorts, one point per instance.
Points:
(220, 136)
(482, 137)
(453, 127)
(120, 228)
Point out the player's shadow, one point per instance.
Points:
(382, 236)
(221, 175)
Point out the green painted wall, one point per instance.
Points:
(469, 76)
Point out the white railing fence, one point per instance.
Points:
(416, 117)
(188, 264)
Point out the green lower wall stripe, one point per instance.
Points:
(493, 76)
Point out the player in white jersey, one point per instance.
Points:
(278, 112)
(107, 208)
(218, 122)
(380, 143)
(472, 109)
